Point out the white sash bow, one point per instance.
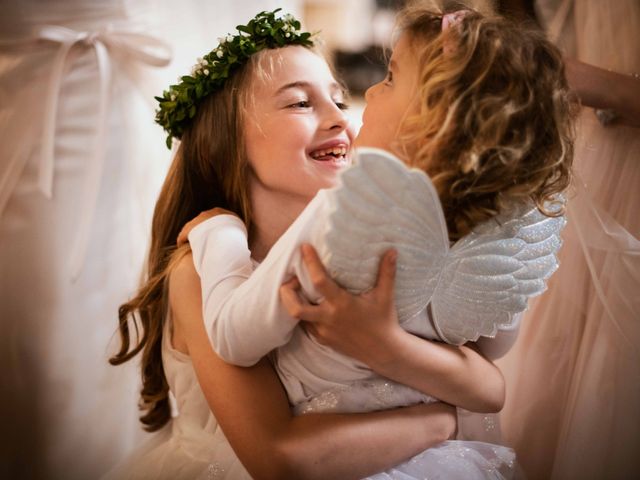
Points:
(138, 46)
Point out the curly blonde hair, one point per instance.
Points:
(495, 117)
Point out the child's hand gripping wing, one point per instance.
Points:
(380, 204)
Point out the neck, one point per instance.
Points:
(272, 214)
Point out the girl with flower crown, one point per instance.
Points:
(261, 85)
(486, 113)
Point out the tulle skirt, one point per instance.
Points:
(168, 455)
(573, 377)
(456, 460)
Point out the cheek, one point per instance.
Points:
(254, 138)
(378, 129)
(258, 164)
(268, 142)
(290, 134)
(369, 119)
(273, 161)
(370, 135)
(256, 155)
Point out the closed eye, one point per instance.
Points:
(342, 105)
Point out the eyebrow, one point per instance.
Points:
(305, 85)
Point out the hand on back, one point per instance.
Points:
(183, 236)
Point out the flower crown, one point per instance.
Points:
(266, 30)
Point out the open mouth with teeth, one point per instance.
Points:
(330, 154)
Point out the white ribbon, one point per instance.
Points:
(138, 46)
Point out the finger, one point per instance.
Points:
(295, 304)
(299, 307)
(320, 279)
(385, 283)
(218, 211)
(290, 301)
(293, 283)
(183, 236)
(313, 331)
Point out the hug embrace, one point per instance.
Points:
(320, 304)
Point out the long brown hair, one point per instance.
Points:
(495, 119)
(209, 170)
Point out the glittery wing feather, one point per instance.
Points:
(492, 272)
(473, 288)
(379, 204)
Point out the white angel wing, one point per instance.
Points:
(492, 272)
(379, 204)
(474, 287)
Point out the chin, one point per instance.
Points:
(326, 182)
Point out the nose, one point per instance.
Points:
(335, 118)
(368, 95)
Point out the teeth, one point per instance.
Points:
(338, 151)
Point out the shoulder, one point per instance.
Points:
(182, 272)
(185, 302)
(184, 285)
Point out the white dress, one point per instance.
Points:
(303, 362)
(192, 446)
(245, 320)
(79, 172)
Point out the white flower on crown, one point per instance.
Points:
(229, 38)
(219, 53)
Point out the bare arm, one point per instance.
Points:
(458, 374)
(252, 409)
(603, 89)
(596, 87)
(366, 328)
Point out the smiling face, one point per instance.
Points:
(297, 135)
(389, 101)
